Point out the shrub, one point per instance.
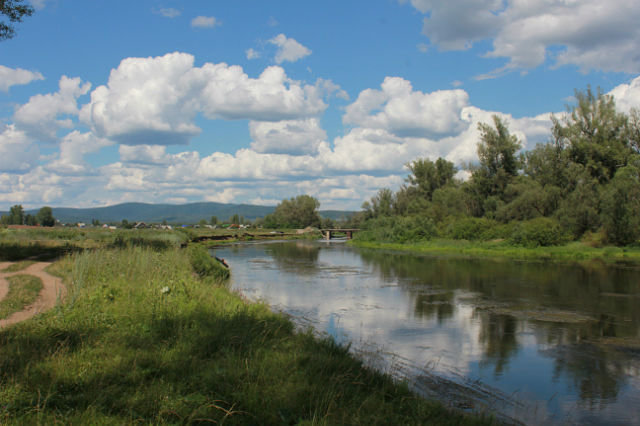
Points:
(473, 228)
(397, 229)
(541, 231)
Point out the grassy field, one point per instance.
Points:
(572, 252)
(23, 291)
(150, 334)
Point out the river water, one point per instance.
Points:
(529, 342)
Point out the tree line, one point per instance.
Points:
(584, 183)
(17, 216)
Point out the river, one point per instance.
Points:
(531, 342)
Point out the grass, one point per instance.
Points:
(572, 252)
(19, 266)
(141, 338)
(23, 291)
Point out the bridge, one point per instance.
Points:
(327, 234)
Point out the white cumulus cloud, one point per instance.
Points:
(73, 148)
(17, 152)
(205, 22)
(252, 53)
(169, 12)
(40, 116)
(289, 50)
(405, 112)
(295, 137)
(589, 34)
(13, 77)
(153, 101)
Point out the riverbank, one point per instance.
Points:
(143, 338)
(572, 252)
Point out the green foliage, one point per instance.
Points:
(298, 212)
(15, 12)
(537, 232)
(45, 217)
(498, 161)
(399, 229)
(595, 134)
(205, 265)
(15, 216)
(621, 207)
(427, 176)
(478, 229)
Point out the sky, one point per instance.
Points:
(256, 101)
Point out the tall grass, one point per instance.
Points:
(571, 252)
(143, 339)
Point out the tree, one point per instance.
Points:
(498, 166)
(427, 176)
(16, 215)
(298, 212)
(30, 220)
(45, 217)
(214, 220)
(621, 203)
(595, 134)
(14, 11)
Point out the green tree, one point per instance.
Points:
(381, 204)
(595, 134)
(14, 11)
(214, 220)
(45, 217)
(202, 222)
(235, 219)
(621, 204)
(298, 212)
(499, 164)
(427, 176)
(16, 215)
(30, 220)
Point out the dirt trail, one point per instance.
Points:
(52, 288)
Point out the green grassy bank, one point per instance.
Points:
(143, 338)
(572, 252)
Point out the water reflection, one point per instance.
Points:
(562, 338)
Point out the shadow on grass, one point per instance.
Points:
(236, 368)
(34, 250)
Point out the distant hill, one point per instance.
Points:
(172, 213)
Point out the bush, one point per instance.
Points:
(397, 229)
(474, 228)
(541, 231)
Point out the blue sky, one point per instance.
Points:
(256, 101)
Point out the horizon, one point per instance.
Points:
(253, 102)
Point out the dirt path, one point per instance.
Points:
(52, 288)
